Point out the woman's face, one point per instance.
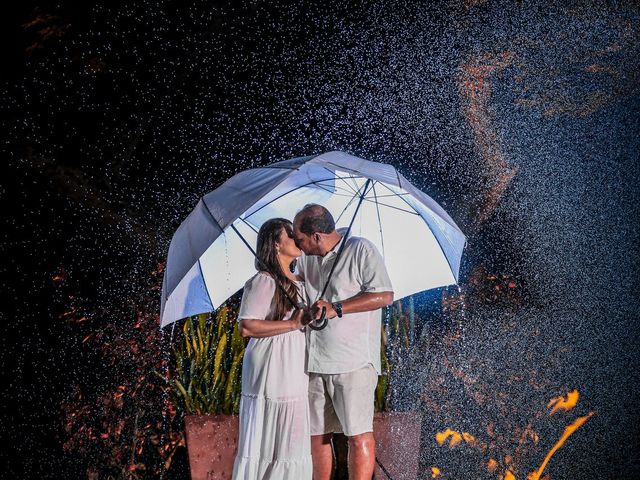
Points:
(287, 244)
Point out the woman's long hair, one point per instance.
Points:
(266, 251)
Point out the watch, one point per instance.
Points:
(337, 306)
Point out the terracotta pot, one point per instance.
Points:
(397, 444)
(212, 442)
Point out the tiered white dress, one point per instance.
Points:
(275, 440)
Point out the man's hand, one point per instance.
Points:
(307, 318)
(302, 316)
(316, 310)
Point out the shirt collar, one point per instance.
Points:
(334, 251)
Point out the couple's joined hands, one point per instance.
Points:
(303, 316)
(316, 310)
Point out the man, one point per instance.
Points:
(343, 359)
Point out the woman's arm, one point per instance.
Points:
(267, 328)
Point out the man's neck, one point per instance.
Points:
(332, 242)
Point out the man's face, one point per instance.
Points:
(307, 243)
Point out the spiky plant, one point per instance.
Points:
(395, 344)
(208, 366)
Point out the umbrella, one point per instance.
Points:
(208, 259)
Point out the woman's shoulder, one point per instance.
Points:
(297, 278)
(265, 278)
(260, 279)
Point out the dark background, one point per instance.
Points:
(118, 116)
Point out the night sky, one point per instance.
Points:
(521, 119)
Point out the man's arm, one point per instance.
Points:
(361, 302)
(377, 291)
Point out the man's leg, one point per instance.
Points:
(362, 456)
(323, 422)
(322, 454)
(353, 403)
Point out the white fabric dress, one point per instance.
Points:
(275, 440)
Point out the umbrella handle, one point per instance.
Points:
(322, 321)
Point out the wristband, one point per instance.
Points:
(337, 306)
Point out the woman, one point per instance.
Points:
(274, 414)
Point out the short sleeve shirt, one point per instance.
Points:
(258, 302)
(353, 341)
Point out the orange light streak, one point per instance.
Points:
(566, 404)
(441, 437)
(567, 433)
(468, 437)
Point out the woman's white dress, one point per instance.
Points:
(275, 440)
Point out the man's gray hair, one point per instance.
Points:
(315, 218)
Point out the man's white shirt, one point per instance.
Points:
(353, 341)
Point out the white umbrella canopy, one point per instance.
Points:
(208, 260)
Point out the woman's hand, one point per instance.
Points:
(298, 318)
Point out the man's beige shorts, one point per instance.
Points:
(342, 402)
